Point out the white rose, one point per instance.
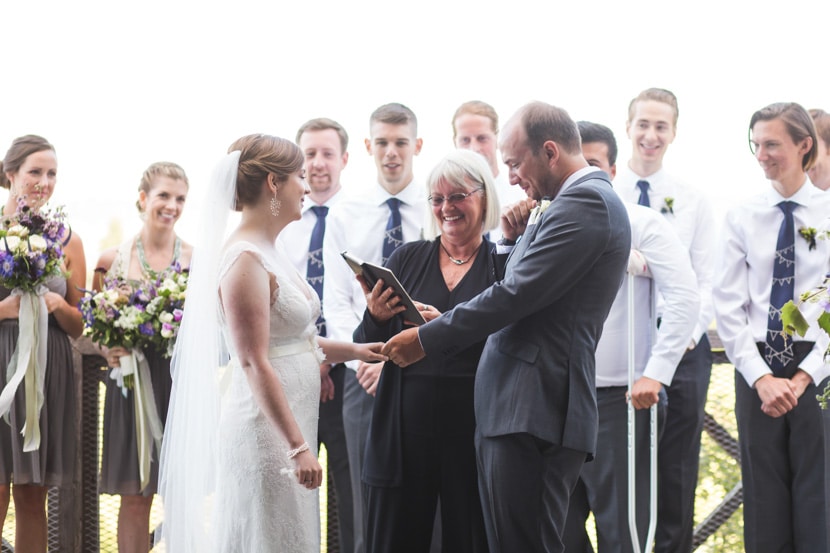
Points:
(37, 243)
(12, 243)
(166, 317)
(18, 230)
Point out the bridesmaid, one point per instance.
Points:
(161, 198)
(29, 171)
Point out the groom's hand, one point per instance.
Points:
(404, 348)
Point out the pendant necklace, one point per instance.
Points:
(459, 261)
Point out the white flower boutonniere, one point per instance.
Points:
(668, 205)
(537, 211)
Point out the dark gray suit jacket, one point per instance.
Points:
(537, 371)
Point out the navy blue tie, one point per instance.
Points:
(779, 347)
(394, 233)
(314, 268)
(643, 186)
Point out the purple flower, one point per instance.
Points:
(6, 264)
(146, 329)
(177, 315)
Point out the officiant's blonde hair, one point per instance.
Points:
(467, 171)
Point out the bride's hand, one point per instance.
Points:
(369, 353)
(309, 472)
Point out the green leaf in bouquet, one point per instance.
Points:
(824, 322)
(792, 320)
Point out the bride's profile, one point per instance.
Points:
(239, 470)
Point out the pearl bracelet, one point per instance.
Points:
(294, 452)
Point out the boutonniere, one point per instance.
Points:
(537, 211)
(668, 205)
(808, 234)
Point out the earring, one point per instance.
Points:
(275, 205)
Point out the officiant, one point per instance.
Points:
(420, 448)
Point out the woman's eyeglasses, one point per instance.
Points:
(452, 199)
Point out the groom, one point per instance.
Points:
(535, 396)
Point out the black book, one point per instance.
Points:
(373, 273)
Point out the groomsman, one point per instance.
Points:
(765, 262)
(324, 143)
(603, 483)
(475, 126)
(820, 172)
(652, 127)
(370, 227)
(535, 400)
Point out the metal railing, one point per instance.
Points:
(74, 517)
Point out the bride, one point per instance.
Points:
(237, 470)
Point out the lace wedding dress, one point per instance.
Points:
(259, 505)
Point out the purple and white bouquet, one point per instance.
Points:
(31, 247)
(31, 253)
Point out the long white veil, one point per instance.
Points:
(187, 475)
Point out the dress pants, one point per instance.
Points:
(783, 472)
(603, 482)
(330, 432)
(357, 413)
(678, 457)
(525, 484)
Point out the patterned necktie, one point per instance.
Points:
(643, 186)
(314, 268)
(779, 347)
(393, 237)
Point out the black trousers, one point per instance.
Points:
(437, 431)
(330, 432)
(783, 471)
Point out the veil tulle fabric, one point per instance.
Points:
(187, 474)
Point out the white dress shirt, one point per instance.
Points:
(694, 222)
(744, 277)
(296, 237)
(673, 277)
(507, 194)
(358, 225)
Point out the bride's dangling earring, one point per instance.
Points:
(275, 205)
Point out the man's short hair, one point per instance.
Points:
(543, 122)
(322, 124)
(799, 126)
(477, 107)
(658, 95)
(395, 114)
(822, 121)
(594, 132)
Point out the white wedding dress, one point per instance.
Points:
(259, 504)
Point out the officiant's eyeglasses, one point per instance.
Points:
(452, 199)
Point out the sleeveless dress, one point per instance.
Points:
(259, 505)
(53, 464)
(119, 458)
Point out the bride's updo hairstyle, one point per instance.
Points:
(262, 154)
(20, 149)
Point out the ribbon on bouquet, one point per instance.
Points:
(28, 363)
(148, 427)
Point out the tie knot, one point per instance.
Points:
(642, 185)
(320, 211)
(787, 207)
(394, 204)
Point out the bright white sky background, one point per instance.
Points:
(116, 86)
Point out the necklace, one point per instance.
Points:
(460, 261)
(145, 267)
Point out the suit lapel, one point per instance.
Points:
(532, 230)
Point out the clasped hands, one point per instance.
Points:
(779, 395)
